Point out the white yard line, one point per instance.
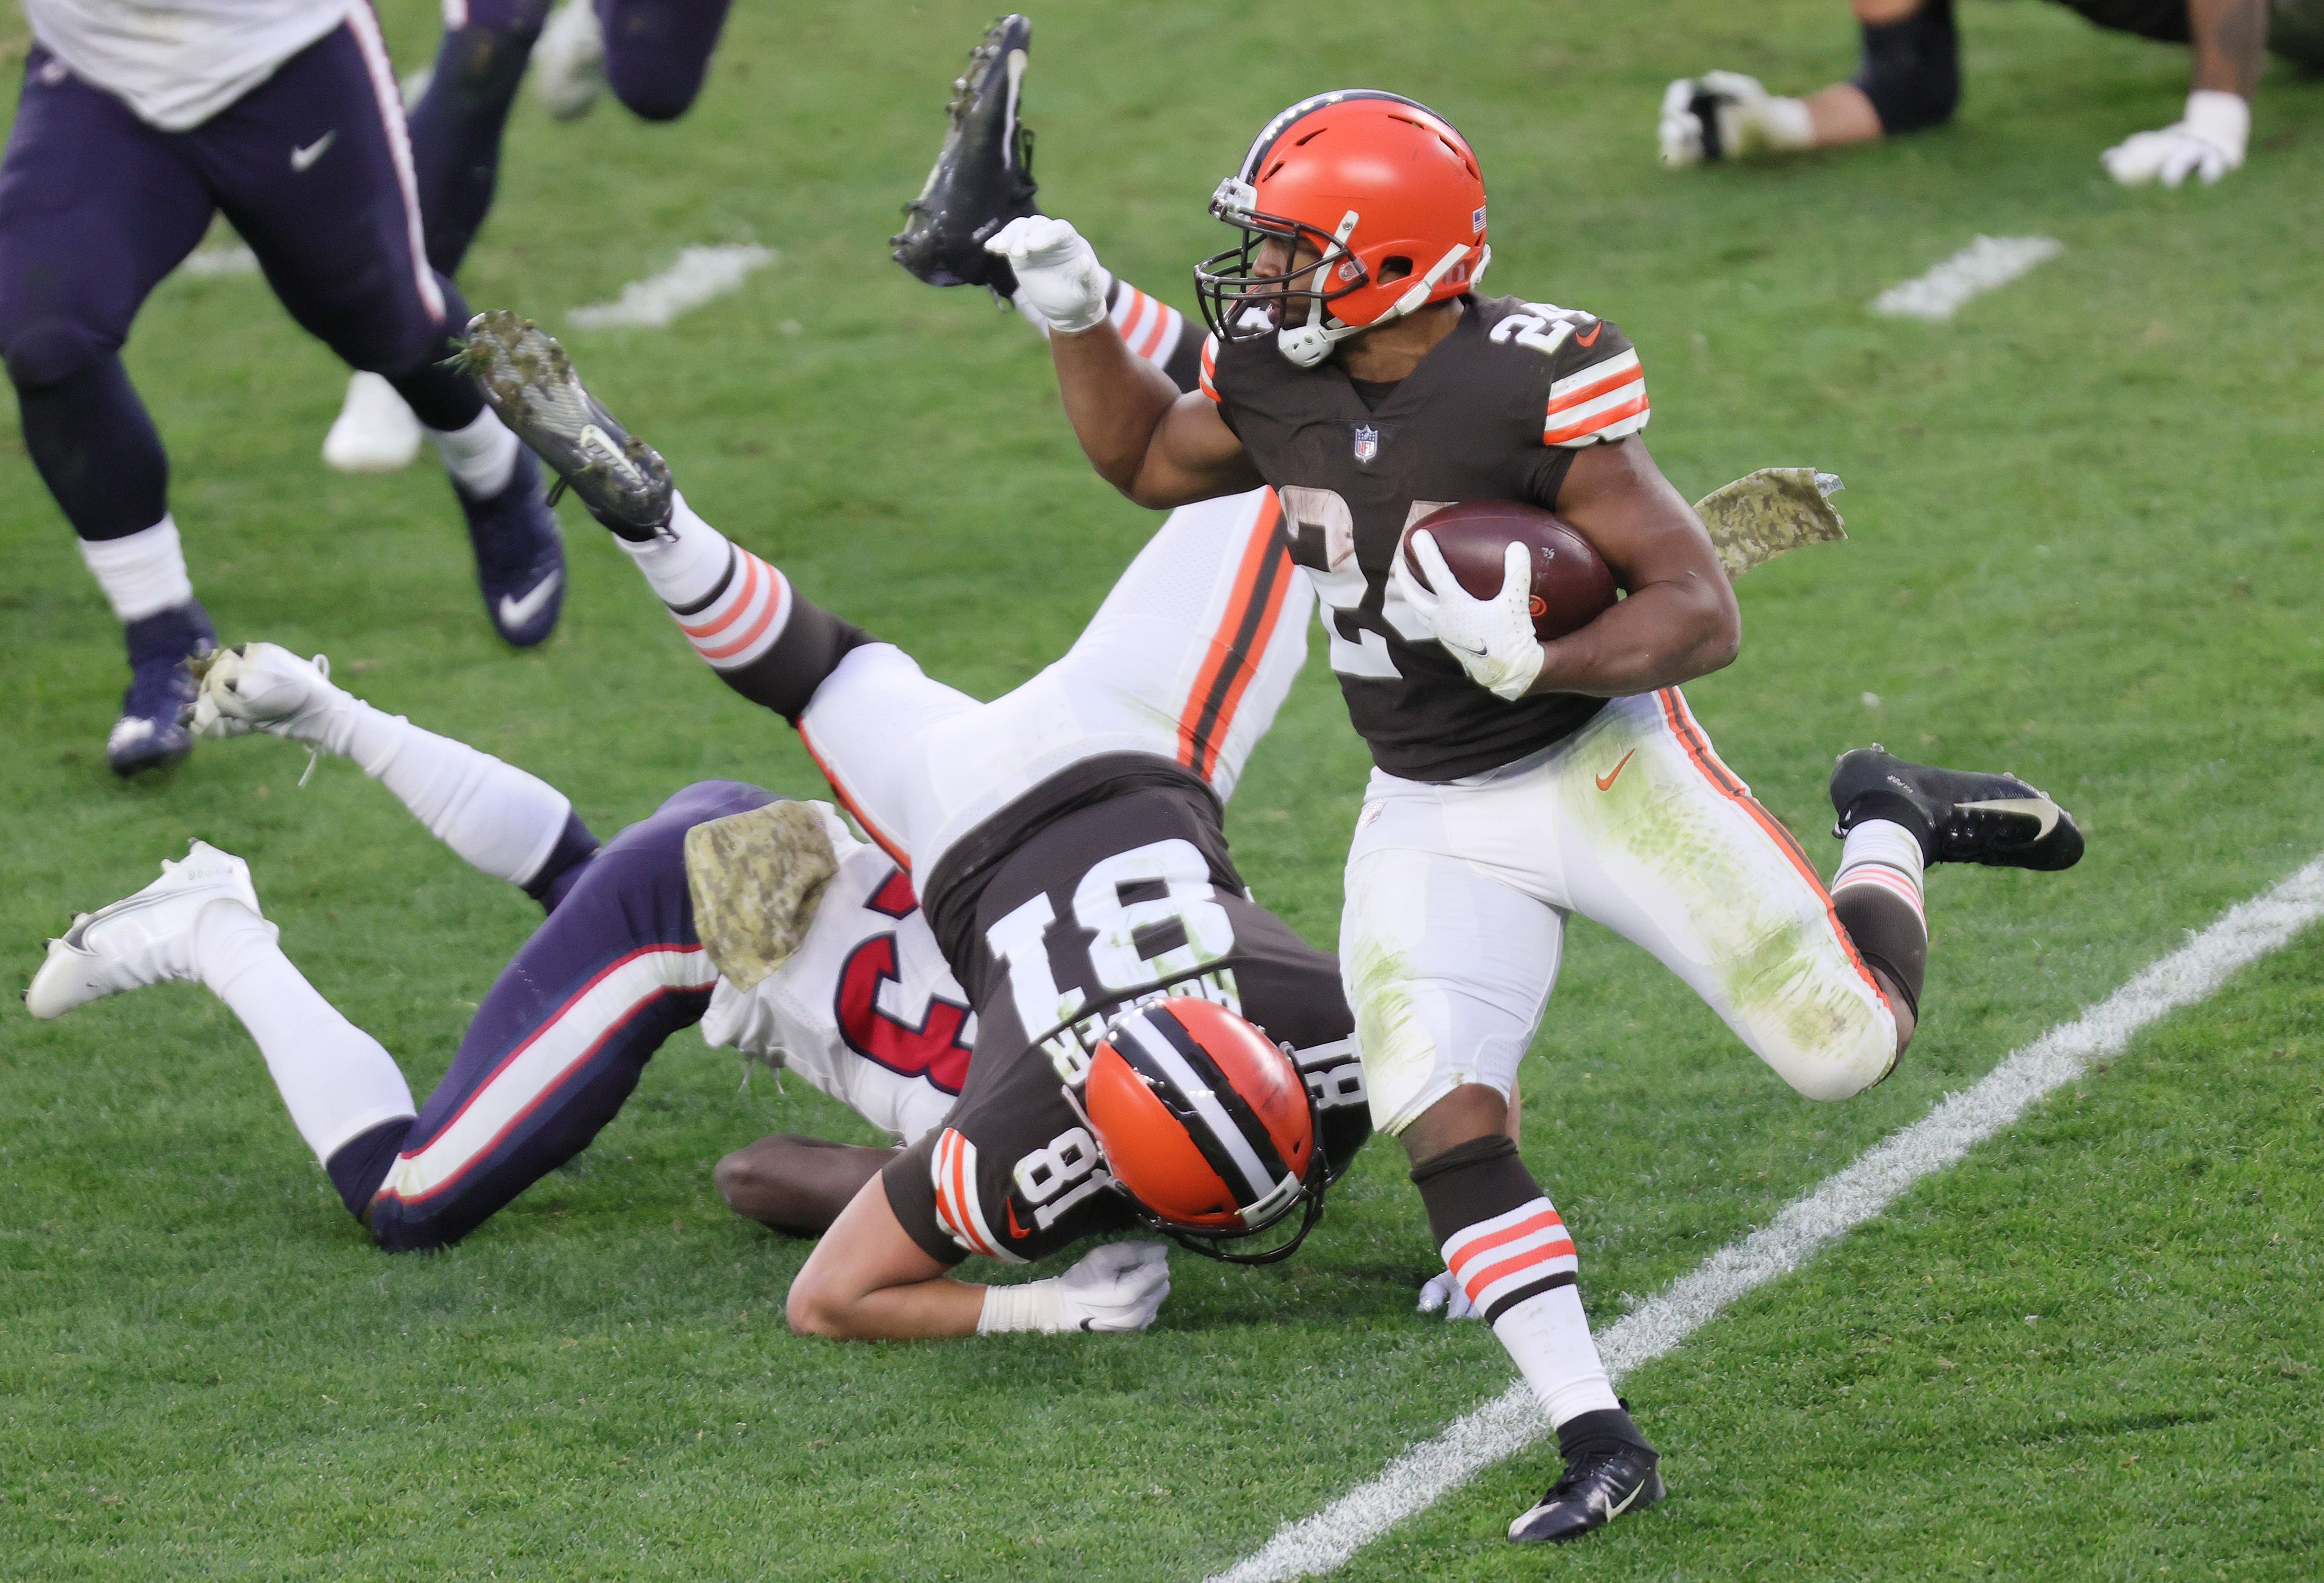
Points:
(1510, 1422)
(1985, 263)
(234, 260)
(699, 275)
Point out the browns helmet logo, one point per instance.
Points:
(1205, 1125)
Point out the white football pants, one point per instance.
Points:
(1457, 897)
(1189, 658)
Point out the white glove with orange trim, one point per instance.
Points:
(1492, 638)
(1117, 1286)
(1059, 280)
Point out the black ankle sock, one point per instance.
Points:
(1608, 1429)
(1896, 809)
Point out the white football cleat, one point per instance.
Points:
(140, 940)
(264, 687)
(568, 63)
(374, 431)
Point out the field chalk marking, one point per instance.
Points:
(234, 260)
(1985, 263)
(1510, 1422)
(699, 275)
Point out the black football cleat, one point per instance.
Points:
(984, 174)
(1962, 816)
(1596, 1487)
(151, 732)
(531, 383)
(519, 555)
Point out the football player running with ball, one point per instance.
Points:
(1353, 366)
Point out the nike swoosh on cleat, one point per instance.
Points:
(516, 612)
(301, 157)
(2036, 808)
(1606, 780)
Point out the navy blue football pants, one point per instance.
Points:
(559, 1041)
(657, 53)
(314, 170)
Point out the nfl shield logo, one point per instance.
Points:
(1366, 442)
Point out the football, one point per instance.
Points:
(1571, 584)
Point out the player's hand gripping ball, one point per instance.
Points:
(1493, 580)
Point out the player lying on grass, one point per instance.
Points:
(1910, 80)
(1354, 367)
(852, 991)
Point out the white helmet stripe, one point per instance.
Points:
(1258, 1183)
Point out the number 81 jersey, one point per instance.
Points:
(1118, 897)
(1495, 411)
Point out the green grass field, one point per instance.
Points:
(2086, 547)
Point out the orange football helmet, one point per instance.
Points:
(1386, 193)
(1207, 1127)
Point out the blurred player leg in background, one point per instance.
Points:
(97, 205)
(653, 53)
(1910, 80)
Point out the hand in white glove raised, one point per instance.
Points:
(1059, 277)
(1117, 1286)
(2208, 143)
(1492, 638)
(1441, 1293)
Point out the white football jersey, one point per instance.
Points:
(865, 1010)
(179, 62)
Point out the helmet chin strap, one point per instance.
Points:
(1309, 344)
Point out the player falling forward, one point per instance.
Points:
(654, 55)
(1353, 366)
(138, 123)
(1064, 842)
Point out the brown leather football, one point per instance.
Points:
(1570, 585)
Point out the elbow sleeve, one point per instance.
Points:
(1911, 70)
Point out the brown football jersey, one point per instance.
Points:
(1494, 411)
(1106, 887)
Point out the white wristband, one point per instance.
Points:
(2220, 119)
(1789, 125)
(1032, 1305)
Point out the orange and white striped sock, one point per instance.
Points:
(1506, 1244)
(1876, 896)
(731, 604)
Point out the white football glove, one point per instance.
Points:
(1117, 1286)
(1492, 638)
(264, 687)
(1441, 1293)
(1059, 280)
(1751, 120)
(2208, 142)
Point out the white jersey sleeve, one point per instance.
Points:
(179, 62)
(866, 1010)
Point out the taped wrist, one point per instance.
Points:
(1033, 1305)
(1911, 70)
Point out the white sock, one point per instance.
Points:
(1789, 125)
(482, 457)
(685, 563)
(334, 1078)
(1880, 852)
(497, 817)
(1549, 1337)
(142, 573)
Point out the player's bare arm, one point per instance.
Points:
(1680, 619)
(868, 1279)
(1160, 448)
(793, 1183)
